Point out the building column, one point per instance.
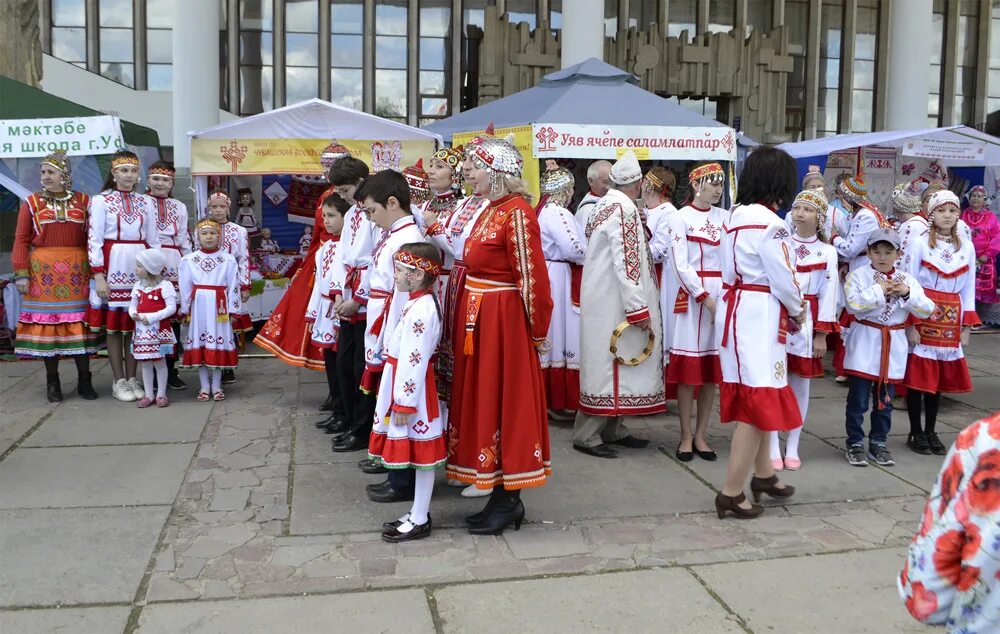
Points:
(195, 103)
(910, 31)
(582, 32)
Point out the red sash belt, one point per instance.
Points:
(476, 288)
(377, 293)
(575, 283)
(430, 389)
(681, 301)
(885, 350)
(221, 310)
(108, 244)
(730, 297)
(353, 276)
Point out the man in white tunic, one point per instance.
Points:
(619, 289)
(598, 179)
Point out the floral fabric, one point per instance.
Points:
(952, 572)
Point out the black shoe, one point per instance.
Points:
(685, 456)
(937, 447)
(419, 531)
(372, 467)
(174, 382)
(378, 486)
(917, 441)
(326, 422)
(52, 389)
(327, 405)
(600, 451)
(631, 442)
(708, 456)
(477, 519)
(509, 511)
(228, 377)
(351, 442)
(398, 522)
(389, 495)
(85, 388)
(336, 427)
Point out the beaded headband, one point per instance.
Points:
(58, 160)
(416, 178)
(451, 156)
(208, 222)
(709, 171)
(498, 155)
(812, 198)
(555, 179)
(121, 161)
(220, 196)
(905, 198)
(978, 189)
(855, 189)
(411, 261)
(162, 171)
(943, 197)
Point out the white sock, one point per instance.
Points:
(422, 490)
(147, 377)
(203, 379)
(161, 378)
(216, 380)
(775, 446)
(800, 387)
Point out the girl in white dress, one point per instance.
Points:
(122, 222)
(210, 294)
(815, 265)
(153, 302)
(657, 189)
(409, 432)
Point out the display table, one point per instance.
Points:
(264, 297)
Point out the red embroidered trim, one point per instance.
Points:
(956, 273)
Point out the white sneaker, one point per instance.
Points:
(122, 391)
(456, 483)
(472, 492)
(137, 389)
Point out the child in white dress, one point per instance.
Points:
(409, 431)
(153, 302)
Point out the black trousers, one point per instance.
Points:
(332, 382)
(178, 350)
(359, 408)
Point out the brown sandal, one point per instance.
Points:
(759, 486)
(726, 503)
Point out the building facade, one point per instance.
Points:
(419, 60)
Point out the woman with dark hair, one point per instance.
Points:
(122, 224)
(760, 297)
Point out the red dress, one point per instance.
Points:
(287, 335)
(499, 431)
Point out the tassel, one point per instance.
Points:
(467, 348)
(223, 318)
(681, 303)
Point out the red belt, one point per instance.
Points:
(170, 246)
(730, 297)
(430, 390)
(221, 311)
(108, 244)
(885, 350)
(377, 293)
(353, 276)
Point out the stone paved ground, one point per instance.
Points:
(119, 520)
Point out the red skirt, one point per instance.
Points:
(286, 334)
(562, 388)
(498, 432)
(805, 367)
(112, 320)
(766, 408)
(932, 375)
(687, 370)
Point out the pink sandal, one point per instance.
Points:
(144, 402)
(162, 401)
(777, 464)
(203, 395)
(219, 396)
(793, 464)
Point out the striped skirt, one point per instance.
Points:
(53, 312)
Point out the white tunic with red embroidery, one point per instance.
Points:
(619, 284)
(354, 257)
(876, 342)
(854, 246)
(563, 245)
(657, 219)
(175, 239)
(319, 312)
(948, 277)
(816, 272)
(157, 304)
(443, 206)
(407, 388)
(383, 307)
(236, 242)
(695, 236)
(210, 294)
(759, 294)
(911, 228)
(121, 224)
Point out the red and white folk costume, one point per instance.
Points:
(947, 273)
(353, 260)
(156, 339)
(210, 295)
(658, 221)
(564, 246)
(320, 312)
(695, 236)
(121, 225)
(172, 228)
(235, 241)
(383, 307)
(760, 293)
(501, 435)
(854, 246)
(407, 388)
(906, 200)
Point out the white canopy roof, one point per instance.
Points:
(899, 139)
(315, 119)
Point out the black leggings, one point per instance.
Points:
(82, 365)
(930, 406)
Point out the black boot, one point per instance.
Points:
(52, 388)
(478, 518)
(85, 388)
(509, 511)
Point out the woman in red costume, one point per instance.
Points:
(286, 334)
(500, 438)
(986, 240)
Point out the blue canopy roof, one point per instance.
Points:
(591, 92)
